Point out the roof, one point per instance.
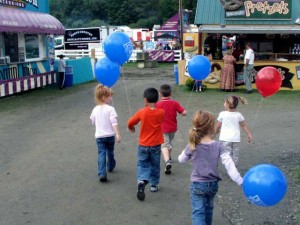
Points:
(17, 20)
(211, 12)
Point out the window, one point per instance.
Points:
(265, 46)
(11, 46)
(32, 46)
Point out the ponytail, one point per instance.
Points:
(193, 139)
(243, 100)
(233, 101)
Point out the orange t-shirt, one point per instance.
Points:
(151, 125)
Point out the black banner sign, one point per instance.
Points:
(82, 35)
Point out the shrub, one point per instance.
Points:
(190, 83)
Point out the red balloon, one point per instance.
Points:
(268, 81)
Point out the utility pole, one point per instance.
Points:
(181, 28)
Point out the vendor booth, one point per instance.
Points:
(26, 45)
(272, 28)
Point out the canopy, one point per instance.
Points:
(22, 21)
(211, 18)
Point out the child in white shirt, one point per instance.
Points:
(229, 123)
(104, 118)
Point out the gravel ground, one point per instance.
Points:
(48, 158)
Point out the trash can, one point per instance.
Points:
(176, 74)
(68, 76)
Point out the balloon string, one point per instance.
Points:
(123, 78)
(190, 95)
(258, 111)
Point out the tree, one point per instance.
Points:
(137, 13)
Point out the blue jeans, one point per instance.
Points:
(248, 77)
(148, 164)
(105, 148)
(198, 84)
(202, 199)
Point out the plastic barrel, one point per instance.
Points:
(68, 77)
(176, 74)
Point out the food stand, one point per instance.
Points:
(272, 27)
(26, 45)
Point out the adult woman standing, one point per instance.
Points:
(228, 72)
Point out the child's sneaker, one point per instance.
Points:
(154, 188)
(103, 179)
(168, 167)
(141, 191)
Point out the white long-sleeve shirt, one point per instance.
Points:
(104, 117)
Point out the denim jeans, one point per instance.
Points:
(148, 164)
(202, 200)
(248, 77)
(105, 148)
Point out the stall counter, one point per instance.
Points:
(288, 69)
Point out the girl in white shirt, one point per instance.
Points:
(229, 123)
(104, 118)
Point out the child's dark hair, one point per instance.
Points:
(151, 94)
(233, 101)
(165, 90)
(203, 124)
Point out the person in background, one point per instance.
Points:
(204, 152)
(228, 72)
(61, 71)
(160, 46)
(248, 67)
(237, 52)
(104, 118)
(150, 140)
(169, 126)
(229, 123)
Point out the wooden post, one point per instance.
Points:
(181, 29)
(181, 71)
(93, 53)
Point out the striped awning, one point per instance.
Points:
(22, 21)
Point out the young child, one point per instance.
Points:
(204, 152)
(198, 84)
(229, 122)
(150, 140)
(169, 126)
(104, 118)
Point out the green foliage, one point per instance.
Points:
(136, 13)
(190, 83)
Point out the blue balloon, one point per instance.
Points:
(107, 72)
(199, 67)
(118, 47)
(264, 185)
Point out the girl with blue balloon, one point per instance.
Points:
(204, 153)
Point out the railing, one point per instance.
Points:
(99, 54)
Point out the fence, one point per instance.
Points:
(99, 54)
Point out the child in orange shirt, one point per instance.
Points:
(150, 140)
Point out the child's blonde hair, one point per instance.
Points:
(101, 93)
(233, 101)
(203, 125)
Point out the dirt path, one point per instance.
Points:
(48, 158)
